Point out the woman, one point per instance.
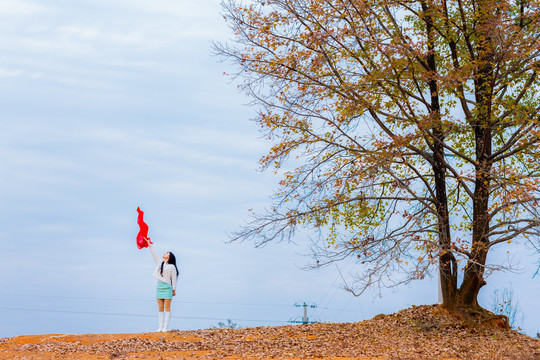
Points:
(166, 273)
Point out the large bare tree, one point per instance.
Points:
(412, 128)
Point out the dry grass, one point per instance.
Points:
(423, 332)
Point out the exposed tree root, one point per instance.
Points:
(475, 317)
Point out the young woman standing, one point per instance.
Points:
(166, 273)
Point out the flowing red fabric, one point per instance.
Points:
(143, 231)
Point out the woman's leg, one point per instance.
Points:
(167, 305)
(160, 303)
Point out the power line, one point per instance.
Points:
(343, 309)
(335, 288)
(141, 300)
(72, 297)
(133, 315)
(153, 300)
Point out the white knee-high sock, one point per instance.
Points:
(161, 319)
(167, 321)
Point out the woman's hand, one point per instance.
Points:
(174, 293)
(147, 242)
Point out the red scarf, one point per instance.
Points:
(143, 231)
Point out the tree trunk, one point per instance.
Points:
(447, 262)
(473, 278)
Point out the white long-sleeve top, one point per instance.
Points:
(169, 271)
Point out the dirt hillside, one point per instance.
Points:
(423, 332)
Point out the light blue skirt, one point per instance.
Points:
(164, 290)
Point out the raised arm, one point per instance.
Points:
(154, 255)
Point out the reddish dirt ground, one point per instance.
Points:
(424, 332)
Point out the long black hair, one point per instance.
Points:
(172, 261)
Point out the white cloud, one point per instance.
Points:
(177, 8)
(15, 73)
(53, 228)
(20, 8)
(10, 73)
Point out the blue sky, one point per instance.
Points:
(110, 105)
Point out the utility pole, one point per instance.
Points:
(305, 319)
